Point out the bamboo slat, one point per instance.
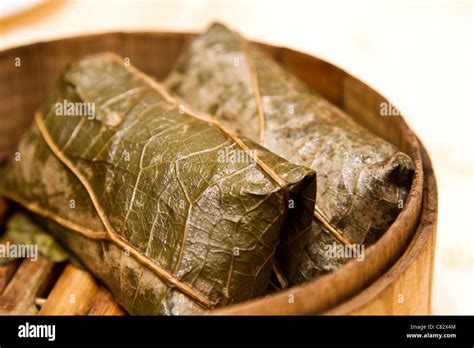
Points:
(28, 282)
(72, 294)
(105, 304)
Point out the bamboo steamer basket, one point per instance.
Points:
(396, 274)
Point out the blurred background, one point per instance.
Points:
(417, 53)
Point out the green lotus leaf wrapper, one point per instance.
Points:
(155, 200)
(22, 230)
(363, 181)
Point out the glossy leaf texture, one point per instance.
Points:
(175, 214)
(363, 181)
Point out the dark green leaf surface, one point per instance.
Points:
(362, 179)
(169, 226)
